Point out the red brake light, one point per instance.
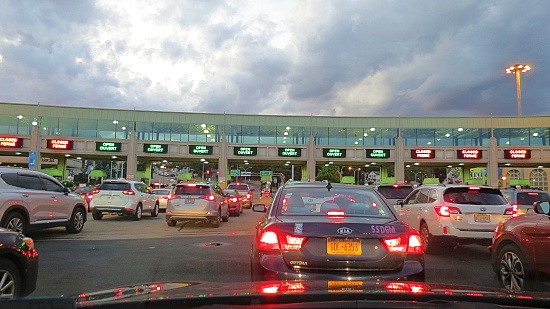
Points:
(128, 192)
(395, 186)
(447, 211)
(513, 211)
(474, 188)
(410, 243)
(191, 184)
(275, 240)
(234, 199)
(95, 191)
(248, 195)
(209, 197)
(533, 193)
(338, 214)
(172, 196)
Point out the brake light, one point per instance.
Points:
(191, 184)
(337, 214)
(410, 243)
(128, 192)
(474, 188)
(275, 240)
(513, 211)
(172, 196)
(248, 195)
(95, 191)
(447, 211)
(209, 197)
(234, 199)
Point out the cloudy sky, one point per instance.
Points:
(320, 57)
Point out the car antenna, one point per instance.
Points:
(329, 186)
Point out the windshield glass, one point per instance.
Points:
(484, 196)
(194, 190)
(114, 186)
(395, 192)
(160, 191)
(238, 187)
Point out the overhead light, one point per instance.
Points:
(288, 128)
(115, 122)
(373, 129)
(535, 134)
(34, 123)
(19, 117)
(460, 129)
(67, 155)
(79, 158)
(113, 157)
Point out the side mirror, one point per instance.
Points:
(259, 208)
(400, 203)
(541, 207)
(66, 190)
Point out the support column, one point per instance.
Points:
(310, 160)
(35, 147)
(223, 167)
(131, 159)
(399, 160)
(492, 166)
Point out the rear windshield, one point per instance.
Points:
(238, 187)
(391, 192)
(528, 198)
(84, 190)
(474, 196)
(114, 186)
(229, 191)
(306, 201)
(195, 190)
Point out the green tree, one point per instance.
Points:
(330, 173)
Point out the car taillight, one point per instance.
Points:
(248, 195)
(234, 199)
(209, 197)
(409, 243)
(172, 196)
(128, 192)
(513, 211)
(338, 214)
(274, 240)
(95, 191)
(447, 211)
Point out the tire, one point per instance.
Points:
(513, 271)
(10, 280)
(427, 239)
(138, 213)
(97, 215)
(76, 223)
(216, 222)
(15, 222)
(226, 217)
(239, 211)
(156, 211)
(241, 207)
(171, 222)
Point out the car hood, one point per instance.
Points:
(305, 293)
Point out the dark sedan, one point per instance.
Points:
(318, 230)
(520, 250)
(18, 265)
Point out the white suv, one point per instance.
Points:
(457, 214)
(33, 200)
(123, 197)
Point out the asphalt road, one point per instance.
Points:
(117, 251)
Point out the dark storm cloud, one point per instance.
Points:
(372, 58)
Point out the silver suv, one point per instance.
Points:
(198, 203)
(245, 192)
(124, 197)
(32, 200)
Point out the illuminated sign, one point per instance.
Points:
(108, 146)
(468, 154)
(422, 153)
(334, 153)
(290, 152)
(378, 153)
(11, 142)
(200, 149)
(155, 148)
(517, 154)
(62, 144)
(245, 151)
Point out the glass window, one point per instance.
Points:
(539, 179)
(482, 196)
(192, 190)
(49, 126)
(179, 132)
(87, 128)
(52, 185)
(161, 131)
(68, 127)
(30, 182)
(10, 178)
(114, 186)
(106, 128)
(267, 134)
(144, 130)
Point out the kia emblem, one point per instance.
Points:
(483, 209)
(344, 231)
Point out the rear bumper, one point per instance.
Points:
(113, 210)
(30, 275)
(273, 267)
(194, 217)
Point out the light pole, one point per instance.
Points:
(115, 122)
(355, 170)
(203, 164)
(518, 69)
(19, 117)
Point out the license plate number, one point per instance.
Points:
(482, 218)
(343, 246)
(189, 201)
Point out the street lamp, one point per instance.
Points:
(19, 117)
(203, 164)
(115, 122)
(518, 69)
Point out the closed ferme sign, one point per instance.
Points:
(11, 142)
(422, 153)
(62, 144)
(517, 154)
(468, 154)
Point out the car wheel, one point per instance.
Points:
(216, 222)
(171, 222)
(241, 206)
(76, 223)
(156, 210)
(239, 211)
(15, 222)
(427, 239)
(513, 273)
(10, 280)
(138, 213)
(97, 215)
(225, 218)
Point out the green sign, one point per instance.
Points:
(155, 148)
(290, 152)
(200, 149)
(334, 153)
(236, 173)
(378, 153)
(266, 173)
(245, 151)
(108, 146)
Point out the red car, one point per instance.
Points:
(234, 201)
(86, 193)
(521, 250)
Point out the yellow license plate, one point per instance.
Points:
(189, 201)
(337, 246)
(482, 218)
(345, 286)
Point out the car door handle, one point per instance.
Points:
(24, 195)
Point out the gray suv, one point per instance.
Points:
(32, 200)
